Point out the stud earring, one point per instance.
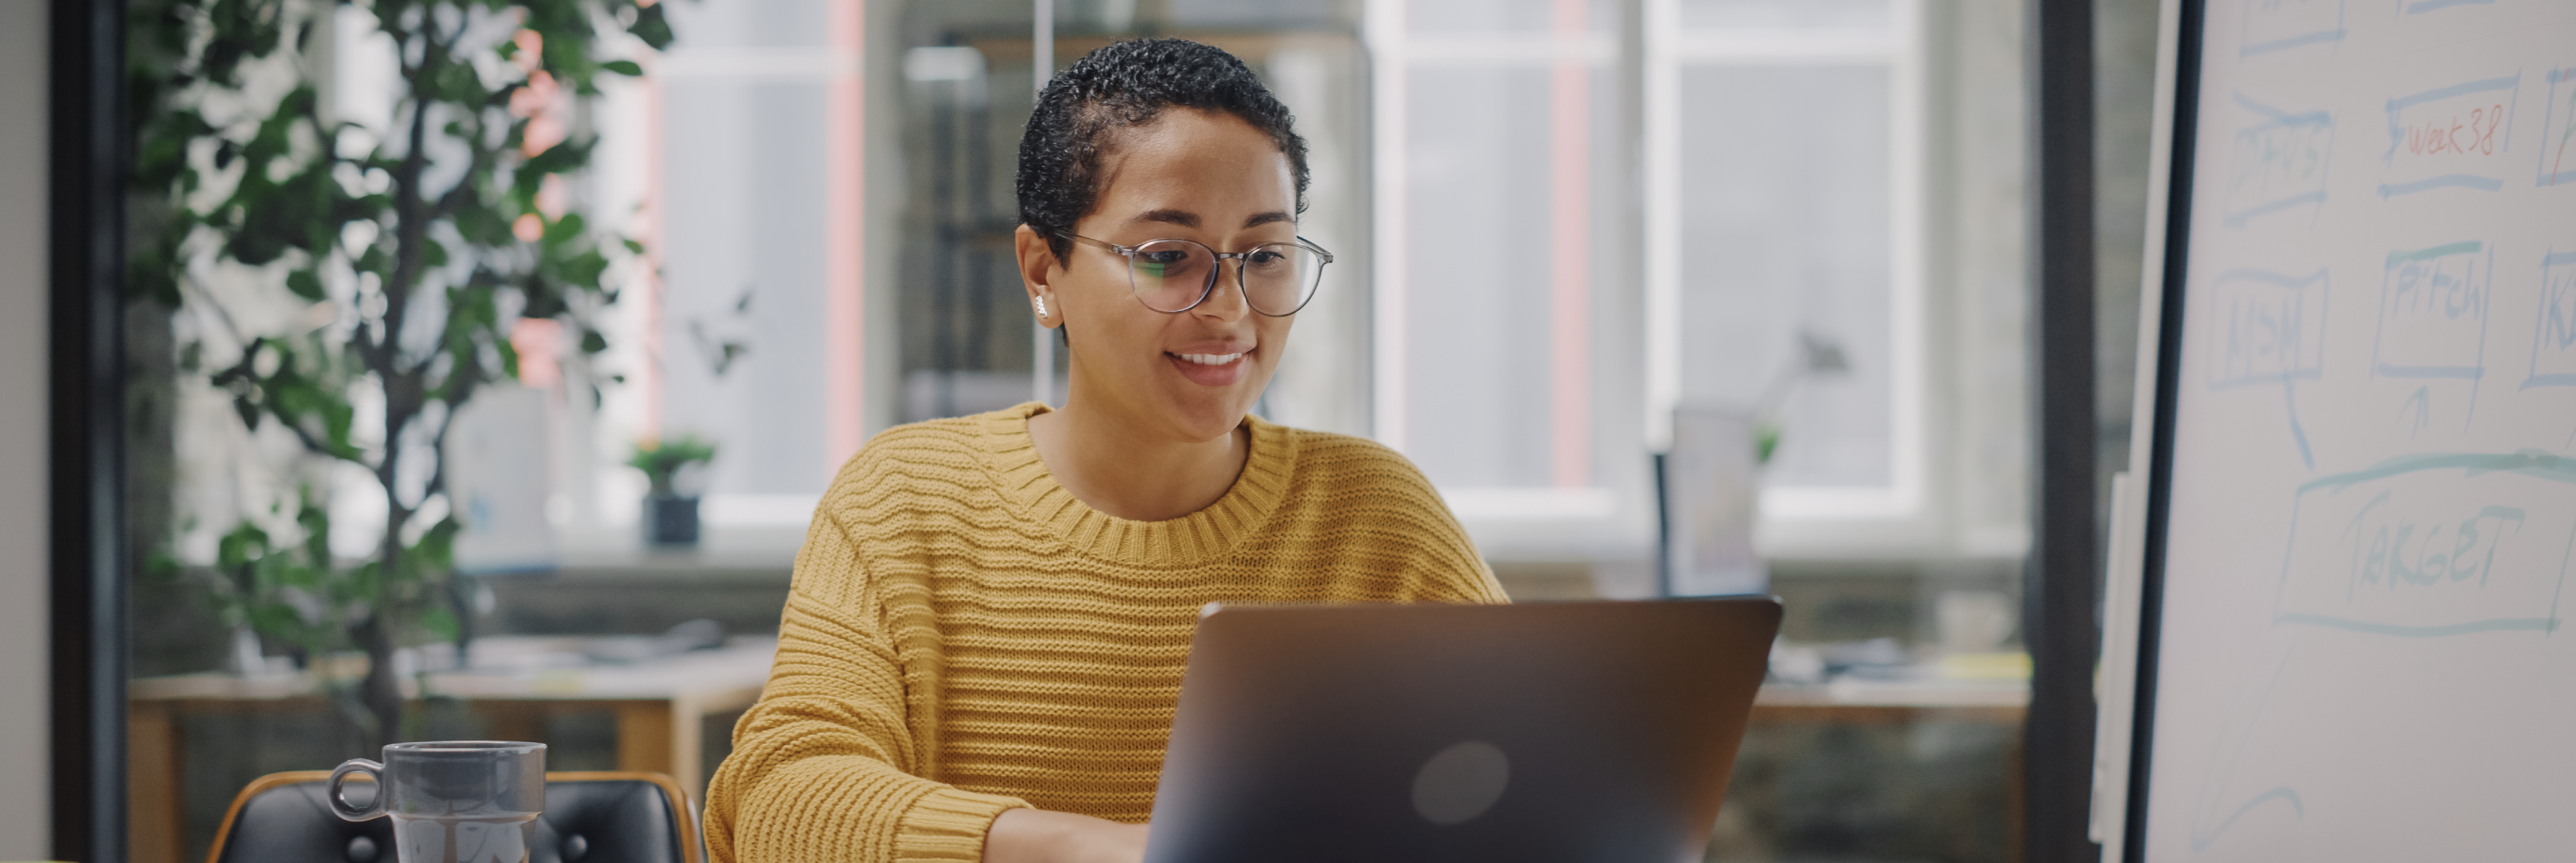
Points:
(1041, 307)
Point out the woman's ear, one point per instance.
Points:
(1038, 271)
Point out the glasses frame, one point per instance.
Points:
(1209, 289)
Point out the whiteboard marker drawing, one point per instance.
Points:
(2279, 161)
(2432, 546)
(2273, 25)
(2227, 758)
(2416, 413)
(2348, 636)
(2558, 130)
(2271, 329)
(2420, 7)
(2433, 314)
(2553, 333)
(2453, 137)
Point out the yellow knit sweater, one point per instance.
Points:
(965, 637)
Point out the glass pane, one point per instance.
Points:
(1438, 17)
(744, 264)
(1254, 13)
(1713, 14)
(963, 343)
(1477, 280)
(1786, 233)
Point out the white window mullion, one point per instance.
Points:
(1903, 496)
(1384, 33)
(1523, 451)
(1663, 326)
(1670, 50)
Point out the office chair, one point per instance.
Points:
(590, 817)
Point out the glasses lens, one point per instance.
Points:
(1279, 278)
(1170, 275)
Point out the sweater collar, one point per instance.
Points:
(1190, 540)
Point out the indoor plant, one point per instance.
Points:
(670, 518)
(344, 288)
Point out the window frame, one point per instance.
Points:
(1584, 501)
(1792, 515)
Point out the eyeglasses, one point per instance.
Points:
(1174, 276)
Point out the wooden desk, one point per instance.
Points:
(1999, 697)
(661, 705)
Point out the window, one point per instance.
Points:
(1499, 180)
(1590, 213)
(1783, 201)
(741, 157)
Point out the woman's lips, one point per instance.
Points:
(1211, 370)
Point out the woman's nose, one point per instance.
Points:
(1225, 300)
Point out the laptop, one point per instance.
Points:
(1578, 731)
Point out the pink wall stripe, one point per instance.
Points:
(1570, 238)
(844, 223)
(648, 379)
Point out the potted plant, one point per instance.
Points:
(670, 518)
(336, 291)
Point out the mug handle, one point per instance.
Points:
(341, 807)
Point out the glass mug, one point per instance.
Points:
(455, 801)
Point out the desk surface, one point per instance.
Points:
(519, 667)
(558, 669)
(1849, 692)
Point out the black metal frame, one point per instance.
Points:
(2061, 582)
(88, 587)
(2151, 583)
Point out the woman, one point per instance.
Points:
(991, 614)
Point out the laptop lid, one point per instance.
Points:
(1594, 731)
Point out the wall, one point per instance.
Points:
(24, 814)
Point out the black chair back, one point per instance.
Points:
(614, 818)
(283, 817)
(590, 818)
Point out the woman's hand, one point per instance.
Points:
(1039, 836)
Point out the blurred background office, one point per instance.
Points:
(1665, 296)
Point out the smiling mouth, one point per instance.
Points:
(1209, 359)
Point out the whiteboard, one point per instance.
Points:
(2361, 481)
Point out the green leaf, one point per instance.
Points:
(652, 26)
(337, 418)
(437, 547)
(584, 269)
(628, 68)
(367, 579)
(305, 284)
(557, 159)
(481, 226)
(238, 548)
(509, 359)
(662, 459)
(150, 281)
(439, 621)
(564, 229)
(276, 619)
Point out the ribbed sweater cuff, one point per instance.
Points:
(949, 825)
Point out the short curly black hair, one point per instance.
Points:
(1125, 85)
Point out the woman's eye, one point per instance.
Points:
(1265, 257)
(1162, 258)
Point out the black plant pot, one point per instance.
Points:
(671, 520)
